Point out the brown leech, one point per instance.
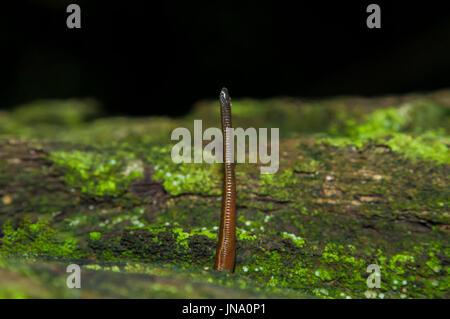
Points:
(226, 248)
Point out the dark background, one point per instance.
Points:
(145, 57)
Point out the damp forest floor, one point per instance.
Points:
(361, 181)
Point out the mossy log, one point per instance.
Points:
(360, 182)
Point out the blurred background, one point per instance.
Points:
(159, 58)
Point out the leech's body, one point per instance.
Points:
(226, 248)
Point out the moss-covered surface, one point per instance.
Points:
(361, 181)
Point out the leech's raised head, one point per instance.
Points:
(224, 97)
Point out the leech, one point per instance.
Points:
(226, 247)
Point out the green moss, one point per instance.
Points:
(402, 274)
(76, 121)
(429, 146)
(36, 240)
(95, 174)
(181, 237)
(242, 234)
(434, 263)
(379, 123)
(184, 178)
(209, 233)
(166, 243)
(279, 186)
(296, 239)
(307, 167)
(412, 130)
(58, 112)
